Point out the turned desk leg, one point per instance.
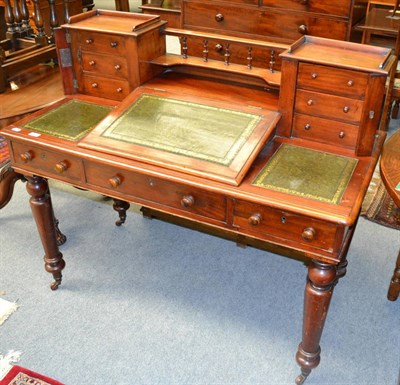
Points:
(318, 292)
(394, 288)
(42, 211)
(120, 207)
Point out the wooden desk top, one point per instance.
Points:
(390, 167)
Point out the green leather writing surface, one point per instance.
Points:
(191, 129)
(307, 173)
(71, 120)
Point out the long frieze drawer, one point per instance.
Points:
(337, 8)
(332, 80)
(64, 167)
(115, 89)
(325, 131)
(177, 196)
(101, 42)
(328, 106)
(115, 66)
(284, 225)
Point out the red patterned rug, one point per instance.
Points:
(21, 376)
(378, 206)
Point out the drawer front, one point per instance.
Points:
(173, 195)
(325, 131)
(59, 166)
(284, 225)
(332, 80)
(328, 106)
(239, 54)
(267, 23)
(221, 17)
(248, 2)
(336, 8)
(115, 89)
(102, 43)
(115, 66)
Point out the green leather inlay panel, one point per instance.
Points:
(194, 130)
(71, 120)
(307, 173)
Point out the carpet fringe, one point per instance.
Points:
(6, 309)
(7, 361)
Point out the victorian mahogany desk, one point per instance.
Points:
(269, 150)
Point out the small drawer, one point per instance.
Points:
(171, 195)
(102, 43)
(329, 106)
(105, 65)
(337, 8)
(49, 163)
(325, 131)
(332, 80)
(115, 89)
(272, 223)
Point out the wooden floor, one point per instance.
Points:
(30, 90)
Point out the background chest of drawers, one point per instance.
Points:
(285, 20)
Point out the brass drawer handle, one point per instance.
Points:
(346, 109)
(114, 44)
(89, 41)
(95, 85)
(117, 67)
(350, 83)
(26, 156)
(303, 29)
(255, 219)
(115, 181)
(62, 166)
(310, 102)
(92, 63)
(187, 201)
(219, 17)
(309, 234)
(307, 126)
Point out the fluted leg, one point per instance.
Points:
(42, 211)
(318, 292)
(394, 288)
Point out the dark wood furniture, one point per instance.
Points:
(221, 148)
(390, 174)
(122, 5)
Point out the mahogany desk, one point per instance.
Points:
(278, 156)
(390, 174)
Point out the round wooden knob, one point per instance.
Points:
(219, 17)
(115, 181)
(218, 47)
(119, 89)
(62, 166)
(117, 67)
(92, 63)
(26, 156)
(307, 126)
(89, 41)
(114, 44)
(94, 85)
(310, 102)
(303, 29)
(308, 234)
(255, 219)
(350, 83)
(342, 134)
(187, 201)
(346, 109)
(314, 75)
(304, 2)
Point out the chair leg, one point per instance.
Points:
(8, 178)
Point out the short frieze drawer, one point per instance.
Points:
(282, 225)
(49, 163)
